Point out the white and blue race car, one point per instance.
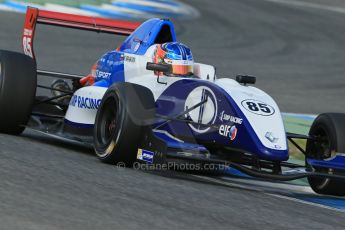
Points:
(149, 102)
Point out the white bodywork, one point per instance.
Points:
(83, 106)
(269, 128)
(262, 124)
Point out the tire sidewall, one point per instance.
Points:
(18, 82)
(327, 123)
(127, 135)
(104, 150)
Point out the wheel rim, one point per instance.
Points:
(321, 150)
(107, 120)
(323, 146)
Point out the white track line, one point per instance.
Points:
(120, 9)
(70, 10)
(268, 193)
(234, 185)
(141, 14)
(310, 5)
(305, 202)
(152, 4)
(5, 7)
(272, 185)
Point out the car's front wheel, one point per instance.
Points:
(329, 132)
(126, 109)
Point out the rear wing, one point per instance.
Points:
(100, 25)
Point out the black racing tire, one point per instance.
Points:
(124, 113)
(18, 82)
(329, 128)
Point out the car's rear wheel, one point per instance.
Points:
(126, 109)
(18, 81)
(329, 131)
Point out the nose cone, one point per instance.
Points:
(274, 155)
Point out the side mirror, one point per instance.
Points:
(245, 79)
(165, 68)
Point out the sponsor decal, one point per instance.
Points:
(27, 32)
(85, 102)
(228, 131)
(145, 155)
(112, 62)
(277, 147)
(258, 107)
(27, 43)
(136, 47)
(271, 137)
(129, 59)
(228, 118)
(103, 75)
(206, 113)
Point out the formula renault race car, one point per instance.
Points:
(138, 106)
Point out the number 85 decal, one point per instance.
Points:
(258, 107)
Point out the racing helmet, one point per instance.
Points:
(178, 55)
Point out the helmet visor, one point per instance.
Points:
(180, 66)
(182, 69)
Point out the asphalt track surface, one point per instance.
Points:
(295, 51)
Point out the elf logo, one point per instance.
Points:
(228, 131)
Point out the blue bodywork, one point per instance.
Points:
(146, 35)
(138, 43)
(246, 138)
(337, 163)
(110, 69)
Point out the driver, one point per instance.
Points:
(178, 55)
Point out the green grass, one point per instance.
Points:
(300, 126)
(294, 152)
